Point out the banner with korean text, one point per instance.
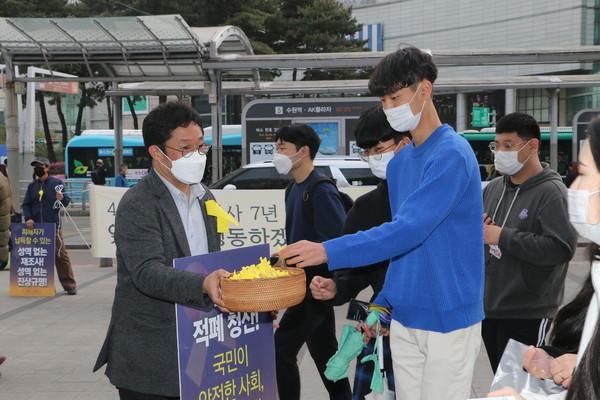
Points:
(104, 201)
(261, 214)
(32, 260)
(228, 356)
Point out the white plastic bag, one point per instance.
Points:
(510, 373)
(387, 393)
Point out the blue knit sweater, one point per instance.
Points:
(434, 241)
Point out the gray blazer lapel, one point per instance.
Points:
(167, 204)
(213, 237)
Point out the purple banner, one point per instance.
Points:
(225, 356)
(32, 260)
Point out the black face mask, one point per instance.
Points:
(39, 171)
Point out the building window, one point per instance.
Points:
(535, 103)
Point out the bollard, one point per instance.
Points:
(106, 262)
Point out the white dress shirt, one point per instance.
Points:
(191, 215)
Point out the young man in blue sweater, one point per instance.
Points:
(434, 283)
(315, 212)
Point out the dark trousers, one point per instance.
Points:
(497, 332)
(64, 269)
(125, 394)
(311, 322)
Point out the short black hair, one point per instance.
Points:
(373, 127)
(523, 124)
(403, 68)
(164, 119)
(300, 135)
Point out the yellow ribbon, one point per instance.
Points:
(41, 194)
(223, 217)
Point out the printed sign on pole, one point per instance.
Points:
(225, 355)
(104, 201)
(32, 260)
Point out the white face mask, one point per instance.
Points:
(379, 163)
(507, 162)
(401, 118)
(188, 170)
(578, 203)
(283, 164)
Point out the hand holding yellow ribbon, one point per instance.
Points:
(223, 217)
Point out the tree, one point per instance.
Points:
(56, 100)
(315, 26)
(131, 100)
(253, 21)
(34, 8)
(91, 94)
(47, 135)
(250, 15)
(111, 122)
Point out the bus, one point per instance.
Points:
(83, 151)
(232, 150)
(480, 140)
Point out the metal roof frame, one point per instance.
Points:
(359, 86)
(442, 58)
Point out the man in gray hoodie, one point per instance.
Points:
(528, 239)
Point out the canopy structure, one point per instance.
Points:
(119, 49)
(127, 48)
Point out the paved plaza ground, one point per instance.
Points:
(52, 343)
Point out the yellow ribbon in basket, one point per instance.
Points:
(257, 271)
(223, 217)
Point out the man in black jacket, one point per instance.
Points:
(380, 143)
(41, 205)
(99, 173)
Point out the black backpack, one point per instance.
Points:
(307, 210)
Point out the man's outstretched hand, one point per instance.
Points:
(304, 254)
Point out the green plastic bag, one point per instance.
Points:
(351, 344)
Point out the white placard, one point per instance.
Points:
(261, 214)
(104, 201)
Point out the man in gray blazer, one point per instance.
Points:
(162, 218)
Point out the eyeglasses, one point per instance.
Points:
(494, 146)
(364, 154)
(188, 151)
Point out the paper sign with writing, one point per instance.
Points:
(260, 213)
(104, 201)
(225, 355)
(32, 260)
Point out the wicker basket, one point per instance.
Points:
(252, 295)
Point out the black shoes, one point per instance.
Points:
(71, 291)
